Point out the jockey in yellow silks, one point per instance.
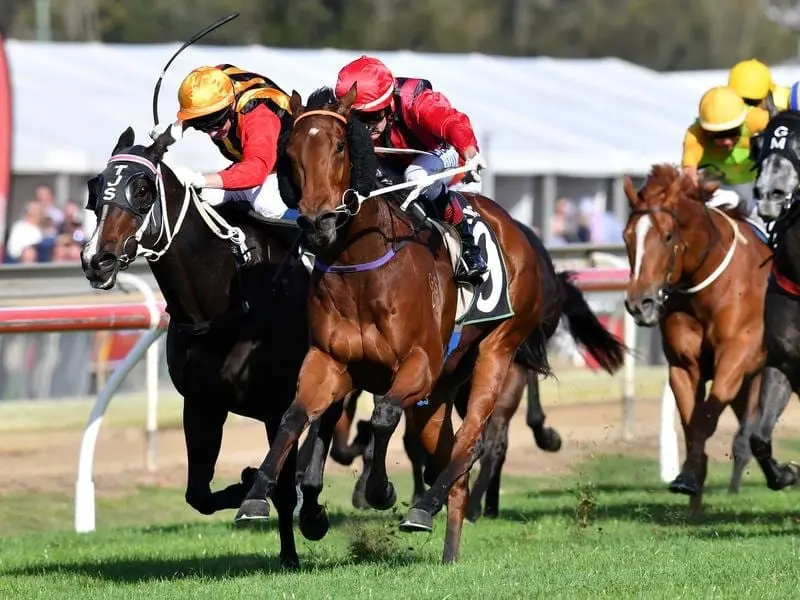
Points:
(719, 143)
(752, 80)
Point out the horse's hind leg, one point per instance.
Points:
(743, 405)
(776, 389)
(314, 522)
(285, 499)
(202, 427)
(546, 438)
(342, 451)
(496, 443)
(418, 458)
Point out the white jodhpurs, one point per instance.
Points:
(428, 164)
(265, 199)
(739, 198)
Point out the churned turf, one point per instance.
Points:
(608, 530)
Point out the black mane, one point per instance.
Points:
(323, 97)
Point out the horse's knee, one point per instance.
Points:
(200, 500)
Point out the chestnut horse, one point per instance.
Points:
(700, 274)
(382, 309)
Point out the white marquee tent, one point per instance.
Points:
(579, 118)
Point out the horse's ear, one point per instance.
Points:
(769, 104)
(160, 145)
(347, 101)
(630, 191)
(126, 140)
(296, 104)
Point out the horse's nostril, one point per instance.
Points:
(103, 261)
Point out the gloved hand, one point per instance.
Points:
(175, 131)
(474, 165)
(189, 177)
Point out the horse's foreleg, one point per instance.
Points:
(313, 517)
(342, 451)
(418, 458)
(285, 499)
(202, 428)
(412, 382)
(729, 374)
(776, 389)
(322, 381)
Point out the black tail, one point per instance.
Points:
(532, 353)
(587, 330)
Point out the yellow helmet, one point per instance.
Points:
(780, 96)
(750, 79)
(721, 109)
(204, 91)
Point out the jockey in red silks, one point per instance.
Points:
(407, 113)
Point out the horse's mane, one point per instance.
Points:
(663, 175)
(363, 161)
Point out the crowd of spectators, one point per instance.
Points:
(585, 221)
(46, 233)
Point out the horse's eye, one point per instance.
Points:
(339, 146)
(668, 237)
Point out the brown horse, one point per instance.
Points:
(382, 309)
(701, 274)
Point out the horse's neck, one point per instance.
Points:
(787, 254)
(371, 233)
(196, 273)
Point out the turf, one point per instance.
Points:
(608, 530)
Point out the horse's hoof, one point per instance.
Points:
(253, 509)
(383, 501)
(417, 519)
(290, 563)
(473, 514)
(314, 527)
(359, 498)
(789, 474)
(685, 484)
(549, 440)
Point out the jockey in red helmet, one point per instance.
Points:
(407, 113)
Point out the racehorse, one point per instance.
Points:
(777, 158)
(562, 298)
(700, 274)
(235, 341)
(382, 309)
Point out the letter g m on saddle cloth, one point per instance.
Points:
(243, 113)
(406, 113)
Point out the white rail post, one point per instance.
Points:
(84, 484)
(151, 426)
(669, 459)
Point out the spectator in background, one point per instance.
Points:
(561, 226)
(25, 234)
(73, 222)
(66, 249)
(43, 194)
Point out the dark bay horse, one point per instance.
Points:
(776, 190)
(235, 342)
(382, 310)
(700, 274)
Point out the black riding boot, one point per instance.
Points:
(474, 264)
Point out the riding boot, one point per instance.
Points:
(474, 264)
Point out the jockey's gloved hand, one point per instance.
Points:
(175, 131)
(189, 177)
(474, 165)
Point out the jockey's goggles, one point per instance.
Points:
(372, 118)
(728, 134)
(212, 122)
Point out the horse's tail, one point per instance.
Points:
(587, 330)
(532, 353)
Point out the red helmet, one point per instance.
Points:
(375, 84)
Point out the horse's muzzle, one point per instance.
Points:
(319, 233)
(771, 209)
(101, 270)
(645, 309)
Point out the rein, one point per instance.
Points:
(669, 287)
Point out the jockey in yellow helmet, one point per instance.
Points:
(243, 113)
(752, 80)
(719, 141)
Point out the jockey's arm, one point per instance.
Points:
(432, 112)
(260, 129)
(692, 150)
